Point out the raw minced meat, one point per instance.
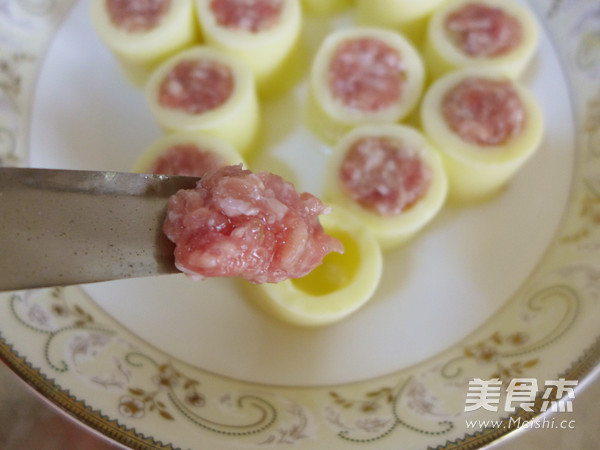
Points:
(187, 160)
(248, 15)
(367, 74)
(237, 223)
(482, 31)
(196, 86)
(483, 111)
(384, 175)
(137, 16)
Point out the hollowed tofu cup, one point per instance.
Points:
(408, 16)
(442, 54)
(341, 285)
(236, 119)
(324, 8)
(221, 152)
(266, 49)
(394, 227)
(141, 50)
(386, 94)
(477, 171)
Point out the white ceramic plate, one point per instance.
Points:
(509, 287)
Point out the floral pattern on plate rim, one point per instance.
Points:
(74, 351)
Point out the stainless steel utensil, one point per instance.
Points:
(63, 227)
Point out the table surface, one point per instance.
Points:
(28, 422)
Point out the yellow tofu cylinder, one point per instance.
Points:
(324, 8)
(408, 16)
(203, 142)
(267, 52)
(341, 285)
(391, 230)
(476, 172)
(139, 52)
(236, 121)
(328, 116)
(441, 55)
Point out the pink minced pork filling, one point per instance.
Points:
(247, 15)
(484, 112)
(237, 223)
(137, 16)
(384, 175)
(482, 31)
(196, 86)
(366, 74)
(187, 160)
